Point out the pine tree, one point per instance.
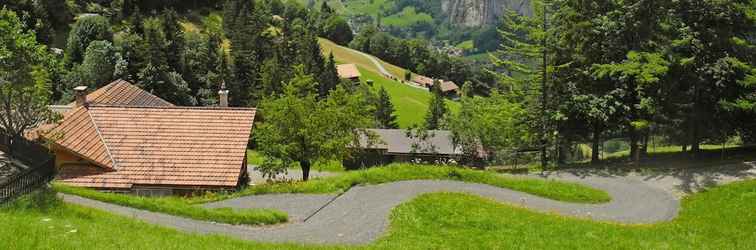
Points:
(244, 25)
(329, 78)
(384, 111)
(174, 35)
(437, 108)
(154, 43)
(137, 19)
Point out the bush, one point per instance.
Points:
(42, 200)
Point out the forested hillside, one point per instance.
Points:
(675, 72)
(468, 25)
(181, 51)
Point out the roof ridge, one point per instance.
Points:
(170, 107)
(99, 135)
(134, 86)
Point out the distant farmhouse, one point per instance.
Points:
(398, 145)
(348, 72)
(449, 88)
(121, 138)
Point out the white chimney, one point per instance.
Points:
(223, 95)
(81, 96)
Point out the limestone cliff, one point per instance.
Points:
(475, 13)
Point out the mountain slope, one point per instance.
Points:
(411, 103)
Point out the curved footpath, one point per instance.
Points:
(380, 67)
(361, 215)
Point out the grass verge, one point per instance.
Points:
(556, 190)
(180, 207)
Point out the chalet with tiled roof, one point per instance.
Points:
(117, 93)
(148, 146)
(349, 72)
(447, 87)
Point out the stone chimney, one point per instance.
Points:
(81, 96)
(223, 95)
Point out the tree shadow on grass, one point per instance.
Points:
(678, 171)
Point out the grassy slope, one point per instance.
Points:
(407, 17)
(180, 207)
(551, 189)
(74, 227)
(348, 56)
(721, 218)
(410, 103)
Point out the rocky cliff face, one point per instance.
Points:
(476, 13)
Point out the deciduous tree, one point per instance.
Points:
(24, 81)
(297, 127)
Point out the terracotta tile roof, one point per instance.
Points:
(122, 93)
(447, 86)
(422, 80)
(84, 175)
(177, 146)
(348, 71)
(117, 93)
(79, 134)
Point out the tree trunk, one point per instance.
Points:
(695, 143)
(634, 149)
(595, 145)
(644, 146)
(305, 170)
(564, 150)
(696, 140)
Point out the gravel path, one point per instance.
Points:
(382, 69)
(298, 206)
(361, 215)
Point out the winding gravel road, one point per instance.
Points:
(361, 215)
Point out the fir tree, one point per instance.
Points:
(437, 108)
(174, 36)
(329, 78)
(245, 23)
(384, 111)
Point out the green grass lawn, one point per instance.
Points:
(410, 103)
(397, 172)
(180, 207)
(720, 218)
